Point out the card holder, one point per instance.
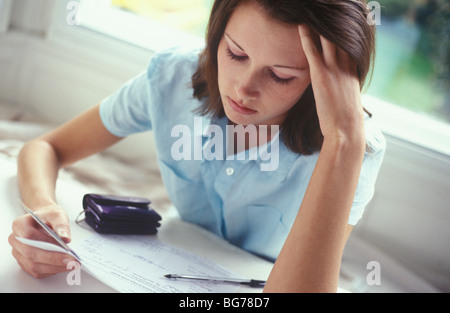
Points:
(110, 214)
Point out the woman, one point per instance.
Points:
(296, 66)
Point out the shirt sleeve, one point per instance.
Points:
(375, 150)
(128, 110)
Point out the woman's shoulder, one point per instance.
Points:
(173, 60)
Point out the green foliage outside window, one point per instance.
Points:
(412, 67)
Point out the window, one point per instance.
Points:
(409, 91)
(153, 24)
(190, 16)
(412, 66)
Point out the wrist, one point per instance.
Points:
(39, 203)
(352, 145)
(348, 132)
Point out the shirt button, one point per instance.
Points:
(229, 171)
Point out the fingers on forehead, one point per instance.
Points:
(311, 44)
(319, 49)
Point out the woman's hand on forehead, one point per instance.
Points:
(336, 86)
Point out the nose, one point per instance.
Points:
(246, 86)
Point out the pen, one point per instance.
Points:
(50, 231)
(248, 282)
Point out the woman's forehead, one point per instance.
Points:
(252, 29)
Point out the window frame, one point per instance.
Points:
(413, 127)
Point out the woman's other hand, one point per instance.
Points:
(336, 87)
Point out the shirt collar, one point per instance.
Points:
(260, 155)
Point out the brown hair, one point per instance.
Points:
(343, 22)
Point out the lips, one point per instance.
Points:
(239, 108)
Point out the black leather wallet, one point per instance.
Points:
(108, 214)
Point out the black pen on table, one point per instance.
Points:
(248, 282)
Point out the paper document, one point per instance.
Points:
(138, 263)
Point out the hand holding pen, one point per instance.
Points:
(37, 262)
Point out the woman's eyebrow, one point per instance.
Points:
(237, 45)
(296, 69)
(291, 69)
(288, 67)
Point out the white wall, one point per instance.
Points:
(409, 216)
(54, 71)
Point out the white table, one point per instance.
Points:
(69, 193)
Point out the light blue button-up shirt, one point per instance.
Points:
(230, 196)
